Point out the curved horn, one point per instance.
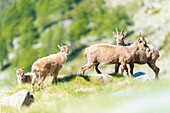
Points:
(141, 34)
(117, 31)
(122, 30)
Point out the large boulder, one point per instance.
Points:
(19, 99)
(105, 78)
(142, 76)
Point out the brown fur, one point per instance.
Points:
(50, 64)
(28, 78)
(110, 54)
(21, 77)
(142, 56)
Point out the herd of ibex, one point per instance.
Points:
(139, 52)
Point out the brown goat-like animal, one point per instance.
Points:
(142, 56)
(50, 64)
(110, 54)
(21, 77)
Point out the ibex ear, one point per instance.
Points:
(59, 46)
(23, 68)
(125, 34)
(114, 33)
(15, 69)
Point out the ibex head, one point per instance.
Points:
(119, 37)
(20, 75)
(143, 42)
(64, 50)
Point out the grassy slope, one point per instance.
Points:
(62, 98)
(8, 78)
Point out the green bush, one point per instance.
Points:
(52, 37)
(94, 18)
(25, 58)
(78, 28)
(3, 52)
(57, 11)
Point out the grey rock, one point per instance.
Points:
(83, 90)
(102, 77)
(19, 99)
(142, 76)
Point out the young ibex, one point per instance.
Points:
(50, 64)
(21, 77)
(110, 54)
(142, 56)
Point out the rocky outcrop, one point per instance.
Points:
(19, 99)
(142, 76)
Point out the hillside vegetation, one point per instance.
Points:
(40, 28)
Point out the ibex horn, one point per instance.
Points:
(117, 31)
(122, 30)
(141, 34)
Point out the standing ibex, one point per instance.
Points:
(110, 54)
(142, 56)
(50, 64)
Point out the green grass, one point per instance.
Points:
(62, 98)
(10, 77)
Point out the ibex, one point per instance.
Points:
(142, 56)
(49, 64)
(21, 77)
(110, 54)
